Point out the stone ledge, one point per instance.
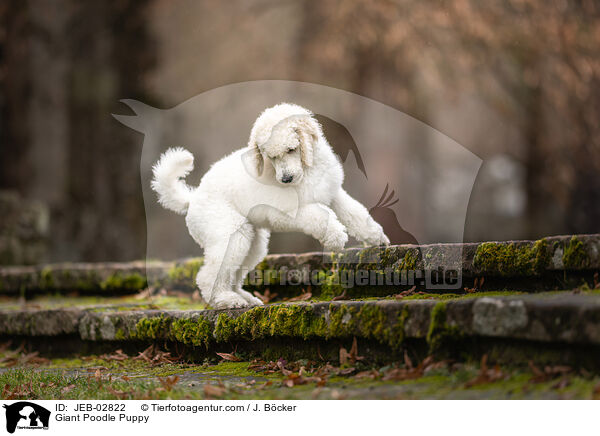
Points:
(558, 318)
(85, 278)
(543, 264)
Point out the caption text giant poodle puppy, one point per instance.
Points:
(286, 180)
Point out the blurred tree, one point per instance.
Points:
(14, 89)
(111, 51)
(536, 62)
(80, 58)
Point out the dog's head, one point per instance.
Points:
(282, 142)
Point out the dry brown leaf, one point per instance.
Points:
(266, 297)
(342, 296)
(168, 382)
(67, 389)
(154, 356)
(264, 385)
(118, 355)
(344, 356)
(228, 356)
(372, 374)
(302, 297)
(213, 391)
(353, 355)
(281, 365)
(485, 375)
(406, 293)
(117, 393)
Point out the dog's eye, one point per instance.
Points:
(291, 150)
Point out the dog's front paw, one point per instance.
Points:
(373, 234)
(335, 238)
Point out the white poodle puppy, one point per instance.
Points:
(286, 180)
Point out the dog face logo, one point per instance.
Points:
(26, 415)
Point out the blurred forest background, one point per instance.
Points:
(517, 82)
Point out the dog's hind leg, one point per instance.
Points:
(223, 257)
(258, 251)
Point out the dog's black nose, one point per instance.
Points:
(287, 179)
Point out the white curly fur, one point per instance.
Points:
(173, 194)
(286, 180)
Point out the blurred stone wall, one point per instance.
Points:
(23, 230)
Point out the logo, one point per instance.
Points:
(26, 415)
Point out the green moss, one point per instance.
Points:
(192, 331)
(574, 256)
(510, 260)
(301, 321)
(151, 328)
(397, 332)
(370, 321)
(265, 276)
(329, 284)
(409, 261)
(224, 328)
(341, 320)
(440, 333)
(455, 297)
(234, 369)
(388, 257)
(48, 385)
(120, 335)
(369, 258)
(186, 272)
(46, 280)
(263, 265)
(268, 321)
(118, 282)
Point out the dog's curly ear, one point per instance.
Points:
(253, 160)
(308, 131)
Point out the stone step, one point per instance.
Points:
(557, 321)
(558, 262)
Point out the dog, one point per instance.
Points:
(287, 179)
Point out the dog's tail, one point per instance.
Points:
(173, 193)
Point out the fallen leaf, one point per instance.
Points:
(230, 357)
(372, 374)
(485, 375)
(213, 391)
(342, 296)
(562, 383)
(154, 356)
(168, 382)
(406, 293)
(117, 393)
(344, 355)
(67, 389)
(281, 365)
(266, 297)
(302, 297)
(117, 355)
(315, 393)
(353, 355)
